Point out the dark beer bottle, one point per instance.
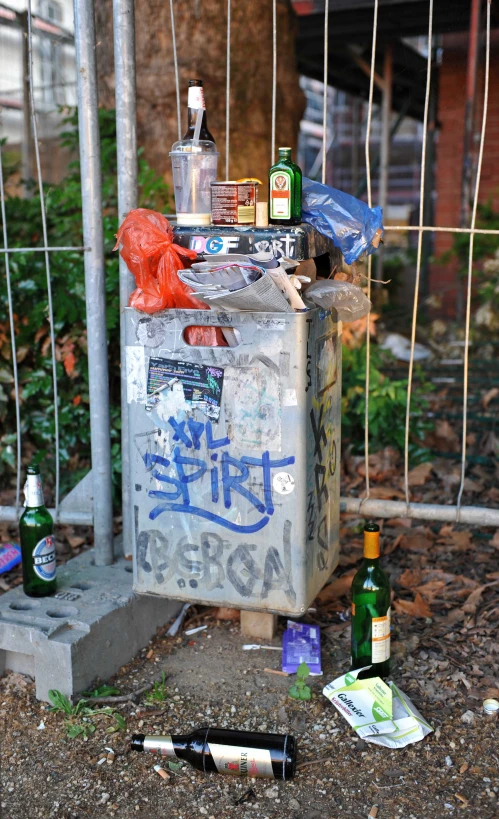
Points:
(195, 100)
(36, 532)
(371, 610)
(285, 190)
(217, 750)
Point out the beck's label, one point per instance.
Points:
(381, 638)
(280, 195)
(44, 558)
(239, 761)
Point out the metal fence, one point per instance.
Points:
(124, 51)
(70, 510)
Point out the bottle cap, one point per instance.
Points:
(491, 706)
(33, 469)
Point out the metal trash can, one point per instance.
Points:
(235, 457)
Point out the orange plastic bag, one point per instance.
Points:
(147, 247)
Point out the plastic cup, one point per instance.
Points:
(194, 169)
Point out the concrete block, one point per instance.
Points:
(94, 624)
(261, 625)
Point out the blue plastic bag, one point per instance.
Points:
(350, 223)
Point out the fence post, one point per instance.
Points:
(126, 149)
(91, 194)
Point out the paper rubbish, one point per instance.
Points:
(378, 713)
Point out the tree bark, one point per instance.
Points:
(201, 28)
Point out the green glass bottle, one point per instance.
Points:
(371, 610)
(285, 191)
(36, 532)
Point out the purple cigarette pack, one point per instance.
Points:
(10, 556)
(301, 644)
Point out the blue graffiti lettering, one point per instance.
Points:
(231, 476)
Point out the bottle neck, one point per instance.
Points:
(166, 745)
(195, 100)
(33, 491)
(371, 546)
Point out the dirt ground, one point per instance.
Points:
(445, 657)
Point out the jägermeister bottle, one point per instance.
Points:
(36, 531)
(218, 750)
(371, 610)
(285, 191)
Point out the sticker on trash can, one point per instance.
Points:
(283, 483)
(202, 385)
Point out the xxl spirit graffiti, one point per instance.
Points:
(230, 479)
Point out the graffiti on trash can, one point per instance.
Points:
(186, 492)
(325, 457)
(213, 562)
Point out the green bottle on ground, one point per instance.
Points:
(36, 532)
(285, 191)
(371, 611)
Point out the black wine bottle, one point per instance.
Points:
(217, 750)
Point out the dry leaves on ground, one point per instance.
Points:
(414, 608)
(420, 474)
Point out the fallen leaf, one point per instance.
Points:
(384, 493)
(69, 363)
(390, 547)
(420, 474)
(382, 464)
(225, 613)
(415, 542)
(461, 541)
(470, 606)
(403, 523)
(495, 540)
(75, 541)
(410, 578)
(414, 608)
(489, 396)
(430, 590)
(337, 588)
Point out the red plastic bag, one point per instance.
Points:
(153, 259)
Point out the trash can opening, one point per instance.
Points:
(206, 339)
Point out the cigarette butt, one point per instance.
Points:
(149, 654)
(461, 798)
(463, 768)
(373, 812)
(161, 771)
(110, 758)
(102, 760)
(274, 671)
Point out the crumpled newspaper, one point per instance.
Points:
(378, 713)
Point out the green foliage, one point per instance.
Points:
(102, 691)
(158, 693)
(61, 704)
(387, 405)
(299, 690)
(29, 289)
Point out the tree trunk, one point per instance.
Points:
(201, 29)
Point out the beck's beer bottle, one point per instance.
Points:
(195, 100)
(36, 532)
(217, 750)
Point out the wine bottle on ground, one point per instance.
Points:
(36, 532)
(371, 610)
(195, 100)
(285, 190)
(218, 750)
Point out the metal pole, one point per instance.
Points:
(26, 144)
(386, 113)
(370, 507)
(126, 149)
(467, 169)
(88, 123)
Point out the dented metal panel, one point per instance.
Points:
(235, 457)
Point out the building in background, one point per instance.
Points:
(54, 81)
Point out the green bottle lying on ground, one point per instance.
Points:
(371, 611)
(36, 532)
